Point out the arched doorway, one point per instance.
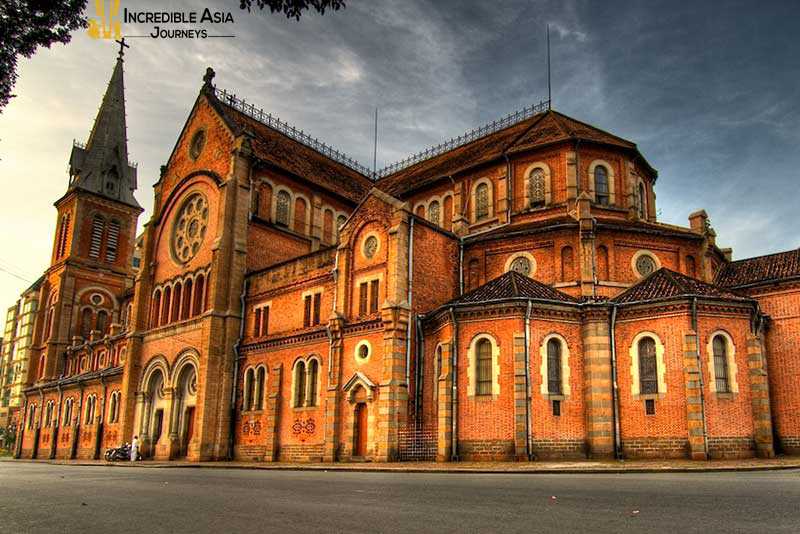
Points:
(184, 410)
(360, 434)
(153, 413)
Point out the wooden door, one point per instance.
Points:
(361, 430)
(189, 432)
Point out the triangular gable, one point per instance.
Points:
(359, 379)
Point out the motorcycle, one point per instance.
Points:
(123, 453)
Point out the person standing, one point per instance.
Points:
(134, 448)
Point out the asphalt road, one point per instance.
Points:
(63, 499)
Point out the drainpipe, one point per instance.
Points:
(73, 451)
(460, 266)
(236, 369)
(454, 380)
(615, 415)
(529, 436)
(409, 296)
(419, 367)
(700, 373)
(328, 328)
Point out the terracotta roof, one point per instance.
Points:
(512, 285)
(769, 268)
(665, 283)
(297, 158)
(541, 129)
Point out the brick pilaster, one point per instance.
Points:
(694, 399)
(597, 389)
(272, 418)
(444, 399)
(521, 401)
(393, 389)
(334, 396)
(759, 396)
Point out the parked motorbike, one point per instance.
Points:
(115, 454)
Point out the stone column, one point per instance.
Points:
(572, 178)
(597, 384)
(271, 428)
(393, 389)
(759, 397)
(445, 405)
(694, 399)
(521, 401)
(586, 260)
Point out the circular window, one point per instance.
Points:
(370, 246)
(645, 265)
(97, 299)
(190, 227)
(521, 265)
(123, 356)
(362, 352)
(198, 143)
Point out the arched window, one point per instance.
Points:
(176, 303)
(448, 212)
(313, 379)
(41, 366)
(112, 408)
(340, 220)
(567, 264)
(433, 212)
(31, 415)
(165, 306)
(602, 263)
(156, 308)
(112, 241)
(96, 241)
(48, 329)
(327, 227)
(102, 319)
(536, 187)
(249, 385)
(642, 201)
(300, 215)
(86, 323)
(421, 210)
(89, 419)
(482, 202)
(299, 384)
(721, 364)
(473, 274)
(48, 414)
(282, 208)
(63, 235)
(186, 309)
(261, 378)
(648, 369)
(691, 267)
(68, 412)
(484, 367)
(601, 185)
(198, 295)
(554, 367)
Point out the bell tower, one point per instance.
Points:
(91, 264)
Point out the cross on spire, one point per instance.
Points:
(122, 47)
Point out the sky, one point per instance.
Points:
(710, 92)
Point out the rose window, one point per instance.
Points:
(645, 265)
(522, 265)
(190, 227)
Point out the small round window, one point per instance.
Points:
(198, 144)
(521, 265)
(645, 265)
(362, 352)
(370, 246)
(97, 299)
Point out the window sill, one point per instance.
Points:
(304, 408)
(560, 397)
(728, 395)
(483, 398)
(649, 396)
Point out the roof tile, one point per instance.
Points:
(512, 285)
(773, 267)
(665, 283)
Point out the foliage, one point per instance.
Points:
(25, 25)
(293, 8)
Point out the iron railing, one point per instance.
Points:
(287, 129)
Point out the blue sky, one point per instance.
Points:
(710, 91)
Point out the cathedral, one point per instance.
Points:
(506, 295)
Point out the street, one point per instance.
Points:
(61, 498)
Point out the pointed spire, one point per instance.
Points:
(102, 165)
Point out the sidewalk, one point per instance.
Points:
(585, 466)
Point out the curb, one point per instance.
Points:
(430, 470)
